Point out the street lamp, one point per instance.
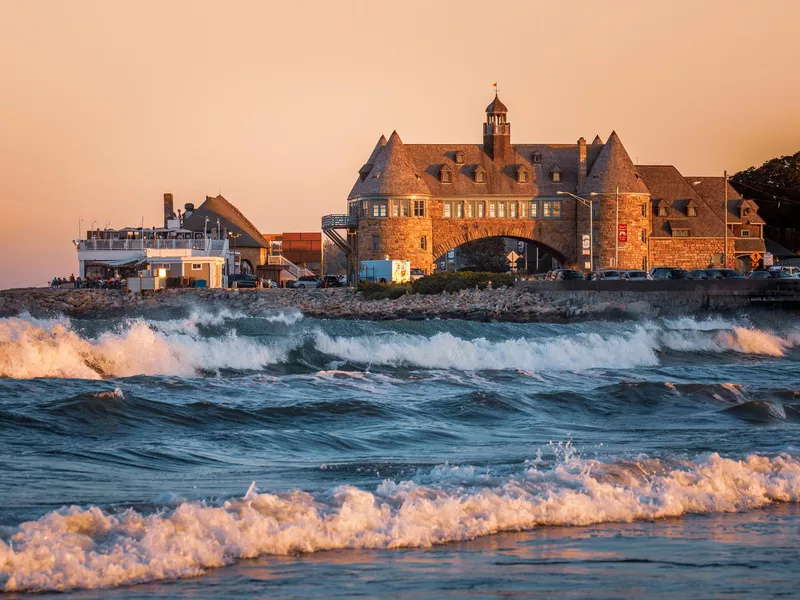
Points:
(587, 203)
(233, 236)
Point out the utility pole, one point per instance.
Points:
(616, 234)
(725, 208)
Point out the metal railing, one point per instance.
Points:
(338, 222)
(287, 265)
(139, 244)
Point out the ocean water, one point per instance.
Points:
(209, 454)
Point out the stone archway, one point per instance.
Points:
(557, 237)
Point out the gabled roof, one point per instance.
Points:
(496, 107)
(613, 169)
(712, 190)
(393, 173)
(669, 189)
(217, 207)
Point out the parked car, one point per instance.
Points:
(635, 275)
(330, 281)
(244, 280)
(661, 273)
(606, 275)
(726, 274)
(566, 274)
(305, 282)
(699, 274)
(417, 274)
(785, 272)
(760, 275)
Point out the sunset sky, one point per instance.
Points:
(106, 105)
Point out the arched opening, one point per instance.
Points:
(490, 253)
(246, 267)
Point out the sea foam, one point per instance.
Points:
(78, 547)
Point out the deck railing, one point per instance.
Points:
(339, 222)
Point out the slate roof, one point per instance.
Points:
(749, 245)
(671, 189)
(393, 173)
(496, 107)
(712, 189)
(229, 217)
(613, 168)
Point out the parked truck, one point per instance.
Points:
(385, 271)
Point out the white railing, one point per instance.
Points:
(288, 265)
(134, 244)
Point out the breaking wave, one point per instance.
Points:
(78, 547)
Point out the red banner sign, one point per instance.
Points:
(622, 233)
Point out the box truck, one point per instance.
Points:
(385, 271)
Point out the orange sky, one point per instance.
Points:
(107, 104)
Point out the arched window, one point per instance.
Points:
(536, 157)
(480, 174)
(459, 157)
(445, 175)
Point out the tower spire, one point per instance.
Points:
(497, 130)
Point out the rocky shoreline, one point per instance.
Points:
(504, 304)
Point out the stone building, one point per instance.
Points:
(417, 201)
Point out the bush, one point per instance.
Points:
(453, 282)
(380, 291)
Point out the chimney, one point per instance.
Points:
(169, 212)
(581, 162)
(188, 209)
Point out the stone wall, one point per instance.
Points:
(633, 252)
(398, 237)
(687, 252)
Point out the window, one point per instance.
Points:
(376, 243)
(522, 176)
(419, 208)
(459, 157)
(480, 175)
(365, 208)
(644, 210)
(662, 211)
(536, 157)
(691, 211)
(459, 210)
(680, 233)
(745, 233)
(379, 208)
(512, 210)
(551, 209)
(556, 176)
(395, 208)
(445, 176)
(644, 263)
(481, 210)
(644, 236)
(469, 210)
(523, 209)
(400, 208)
(533, 213)
(501, 210)
(446, 210)
(595, 209)
(195, 267)
(423, 242)
(492, 210)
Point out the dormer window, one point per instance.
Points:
(445, 175)
(480, 174)
(459, 157)
(662, 211)
(522, 175)
(691, 209)
(536, 157)
(555, 174)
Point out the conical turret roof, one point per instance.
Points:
(378, 147)
(393, 173)
(613, 169)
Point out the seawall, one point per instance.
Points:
(526, 302)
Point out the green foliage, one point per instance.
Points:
(775, 185)
(381, 291)
(487, 255)
(453, 282)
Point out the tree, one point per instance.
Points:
(335, 259)
(488, 254)
(775, 185)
